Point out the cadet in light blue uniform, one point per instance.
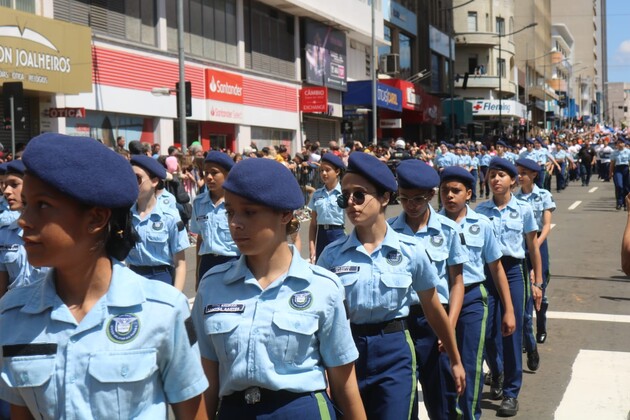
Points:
(529, 152)
(419, 223)
(619, 172)
(7, 216)
(484, 161)
(327, 216)
(474, 171)
(93, 339)
(273, 331)
(483, 248)
(562, 158)
(446, 159)
(160, 252)
(514, 222)
(215, 245)
(543, 205)
(384, 273)
(15, 270)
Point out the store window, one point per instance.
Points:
(133, 20)
(107, 127)
(404, 47)
(269, 39)
(23, 5)
(267, 136)
(209, 29)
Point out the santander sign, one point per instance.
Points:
(225, 87)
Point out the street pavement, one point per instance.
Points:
(585, 364)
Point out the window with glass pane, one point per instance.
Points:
(500, 26)
(387, 34)
(501, 67)
(404, 47)
(472, 21)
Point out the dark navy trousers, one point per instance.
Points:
(386, 374)
(471, 338)
(529, 339)
(315, 406)
(434, 372)
(326, 236)
(620, 178)
(505, 354)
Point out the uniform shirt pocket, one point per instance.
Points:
(224, 230)
(514, 230)
(221, 328)
(32, 377)
(437, 254)
(394, 288)
(122, 382)
(292, 337)
(474, 243)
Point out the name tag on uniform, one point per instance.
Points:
(224, 308)
(13, 247)
(202, 217)
(345, 269)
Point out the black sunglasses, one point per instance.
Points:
(358, 197)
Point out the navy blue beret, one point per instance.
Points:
(266, 182)
(333, 160)
(152, 166)
(503, 165)
(413, 173)
(82, 168)
(15, 167)
(373, 170)
(502, 143)
(529, 141)
(484, 147)
(3, 168)
(528, 164)
(457, 146)
(221, 159)
(457, 173)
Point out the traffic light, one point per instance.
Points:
(188, 89)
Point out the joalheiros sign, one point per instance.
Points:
(44, 54)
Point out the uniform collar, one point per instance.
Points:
(298, 269)
(399, 223)
(471, 215)
(155, 210)
(391, 240)
(205, 198)
(124, 291)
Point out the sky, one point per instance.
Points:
(618, 20)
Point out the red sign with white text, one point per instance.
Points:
(225, 87)
(314, 99)
(66, 112)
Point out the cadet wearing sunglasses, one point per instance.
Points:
(383, 276)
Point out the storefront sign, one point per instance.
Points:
(400, 16)
(360, 93)
(325, 56)
(314, 99)
(391, 123)
(496, 108)
(439, 42)
(45, 54)
(224, 87)
(66, 113)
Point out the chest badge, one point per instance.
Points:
(437, 241)
(123, 328)
(157, 225)
(166, 201)
(301, 300)
(394, 258)
(474, 229)
(514, 215)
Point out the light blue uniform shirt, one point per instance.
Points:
(7, 216)
(510, 156)
(380, 286)
(474, 162)
(445, 160)
(167, 200)
(481, 243)
(510, 223)
(542, 155)
(540, 200)
(279, 338)
(526, 154)
(128, 357)
(324, 202)
(464, 161)
(162, 235)
(620, 157)
(440, 237)
(210, 221)
(484, 160)
(560, 156)
(13, 259)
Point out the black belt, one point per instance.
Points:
(471, 287)
(621, 166)
(416, 310)
(150, 269)
(387, 327)
(510, 260)
(255, 395)
(331, 227)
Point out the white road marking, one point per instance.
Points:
(601, 395)
(583, 316)
(574, 205)
(553, 225)
(593, 189)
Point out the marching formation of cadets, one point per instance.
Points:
(92, 265)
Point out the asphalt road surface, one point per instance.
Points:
(585, 364)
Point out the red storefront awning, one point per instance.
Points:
(418, 106)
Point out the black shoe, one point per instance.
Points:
(496, 388)
(618, 207)
(509, 407)
(487, 378)
(541, 337)
(533, 360)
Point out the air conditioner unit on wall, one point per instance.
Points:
(389, 64)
